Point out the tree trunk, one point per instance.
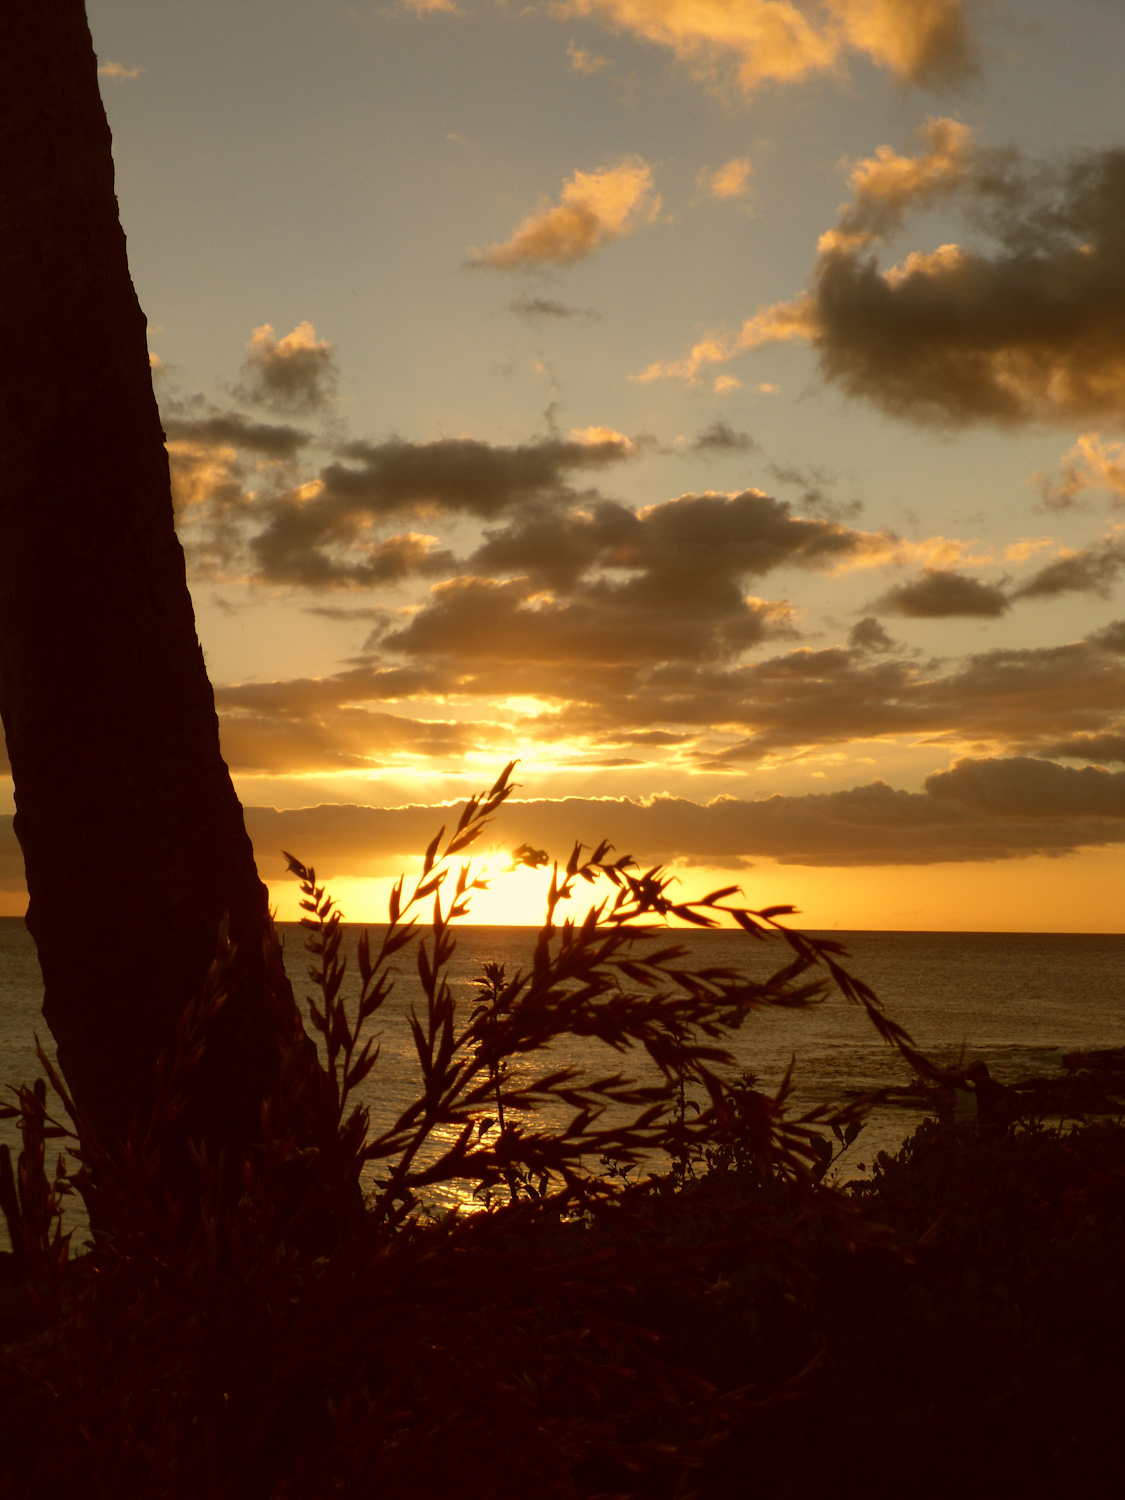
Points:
(132, 834)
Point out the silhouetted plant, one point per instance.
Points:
(264, 1330)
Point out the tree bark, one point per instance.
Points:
(133, 837)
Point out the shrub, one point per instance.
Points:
(982, 1358)
(257, 1327)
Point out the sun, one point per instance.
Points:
(510, 897)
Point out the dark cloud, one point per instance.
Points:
(1020, 787)
(324, 535)
(721, 437)
(689, 544)
(809, 698)
(610, 686)
(869, 635)
(330, 532)
(815, 483)
(1024, 323)
(604, 585)
(303, 553)
(338, 530)
(1032, 330)
(533, 308)
(367, 612)
(939, 594)
(295, 375)
(1111, 637)
(977, 810)
(1004, 697)
(300, 697)
(1092, 570)
(331, 724)
(1107, 748)
(654, 737)
(232, 429)
(223, 464)
(464, 475)
(800, 699)
(470, 621)
(632, 626)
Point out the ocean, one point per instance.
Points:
(1017, 1001)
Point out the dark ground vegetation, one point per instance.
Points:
(298, 1324)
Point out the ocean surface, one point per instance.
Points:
(1017, 1001)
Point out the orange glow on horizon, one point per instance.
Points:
(1079, 893)
(1024, 895)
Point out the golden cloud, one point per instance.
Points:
(202, 473)
(594, 208)
(891, 178)
(585, 62)
(597, 436)
(119, 72)
(1090, 464)
(920, 41)
(732, 180)
(769, 325)
(923, 41)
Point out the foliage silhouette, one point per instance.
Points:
(300, 1322)
(980, 1359)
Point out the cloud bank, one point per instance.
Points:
(976, 810)
(481, 643)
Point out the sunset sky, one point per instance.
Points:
(717, 404)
